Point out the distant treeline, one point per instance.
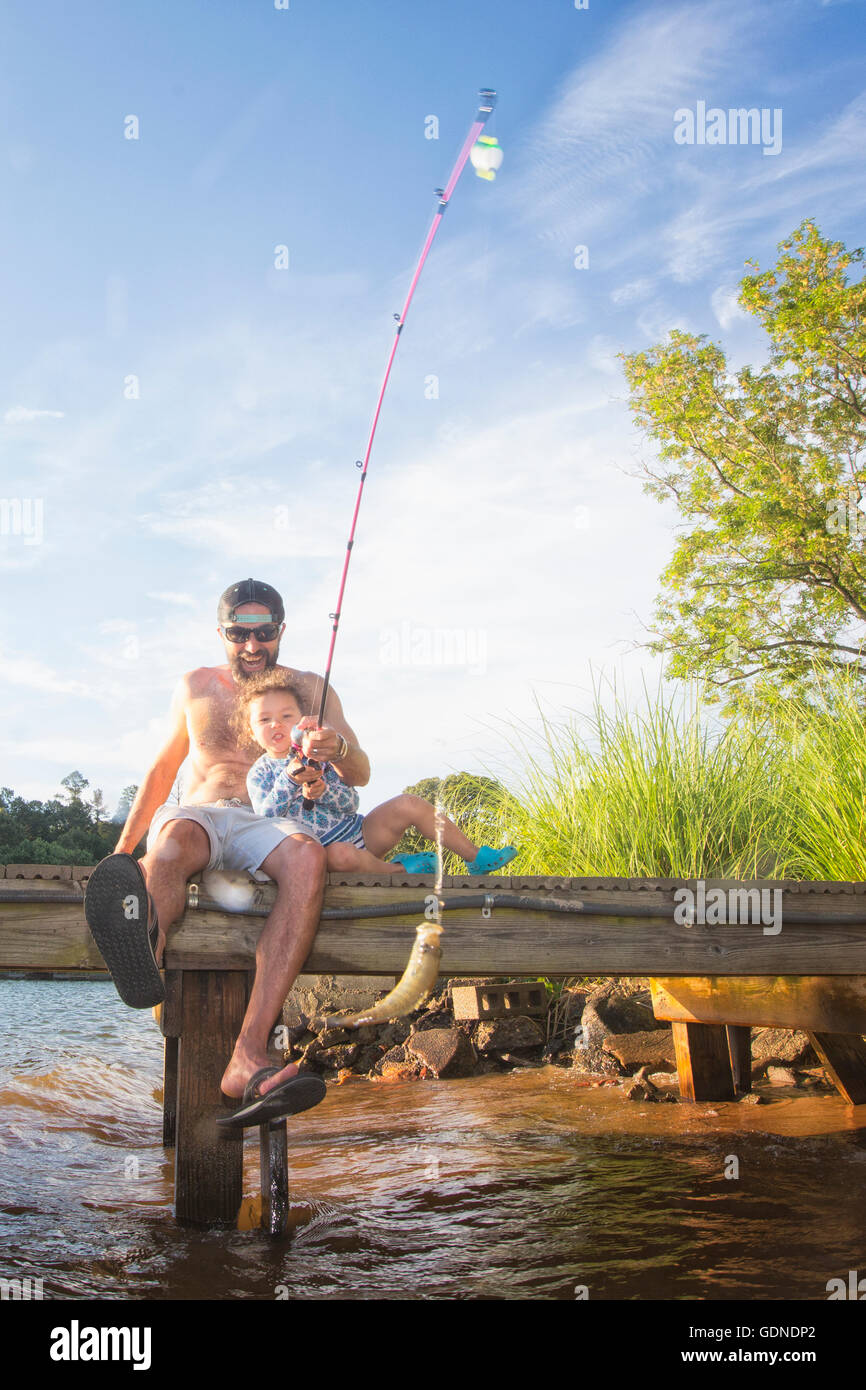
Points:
(66, 830)
(72, 829)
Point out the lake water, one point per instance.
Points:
(524, 1185)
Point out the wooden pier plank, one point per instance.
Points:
(42, 935)
(513, 942)
(53, 935)
(44, 872)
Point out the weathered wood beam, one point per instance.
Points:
(208, 1164)
(274, 1177)
(703, 1061)
(740, 1052)
(48, 935)
(171, 1048)
(547, 944)
(844, 1056)
(832, 1004)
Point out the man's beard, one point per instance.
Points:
(240, 672)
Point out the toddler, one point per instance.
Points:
(271, 708)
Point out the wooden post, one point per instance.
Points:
(844, 1056)
(703, 1061)
(740, 1051)
(208, 1164)
(274, 1171)
(168, 1016)
(169, 1091)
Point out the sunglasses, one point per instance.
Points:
(268, 632)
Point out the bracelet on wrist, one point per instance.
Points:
(343, 750)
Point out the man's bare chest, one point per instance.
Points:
(213, 727)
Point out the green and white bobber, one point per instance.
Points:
(486, 156)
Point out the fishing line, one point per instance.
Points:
(486, 157)
(420, 973)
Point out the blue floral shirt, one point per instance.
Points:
(273, 793)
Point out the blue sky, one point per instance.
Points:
(504, 550)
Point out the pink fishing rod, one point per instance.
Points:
(487, 100)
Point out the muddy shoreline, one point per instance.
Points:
(603, 1034)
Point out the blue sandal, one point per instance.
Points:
(488, 860)
(415, 863)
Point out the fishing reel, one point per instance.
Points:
(301, 757)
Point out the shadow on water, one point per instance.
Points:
(513, 1186)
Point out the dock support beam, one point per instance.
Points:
(703, 1061)
(740, 1050)
(274, 1171)
(170, 1050)
(844, 1056)
(208, 1164)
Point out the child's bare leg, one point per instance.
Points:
(349, 859)
(384, 826)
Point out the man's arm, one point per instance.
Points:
(159, 779)
(322, 745)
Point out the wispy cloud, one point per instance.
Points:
(632, 292)
(595, 154)
(725, 305)
(22, 415)
(27, 671)
(181, 600)
(260, 520)
(601, 167)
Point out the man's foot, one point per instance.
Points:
(488, 860)
(122, 920)
(241, 1069)
(278, 1102)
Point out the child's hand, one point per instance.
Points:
(313, 790)
(302, 775)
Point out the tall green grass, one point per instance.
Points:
(824, 752)
(663, 790)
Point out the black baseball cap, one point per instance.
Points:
(250, 591)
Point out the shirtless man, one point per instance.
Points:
(216, 828)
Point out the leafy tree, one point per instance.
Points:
(767, 585)
(54, 832)
(127, 796)
(74, 784)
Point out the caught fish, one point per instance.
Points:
(411, 989)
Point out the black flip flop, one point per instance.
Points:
(120, 915)
(297, 1094)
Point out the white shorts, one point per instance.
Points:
(239, 839)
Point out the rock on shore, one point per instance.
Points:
(603, 1033)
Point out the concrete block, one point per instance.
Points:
(499, 1001)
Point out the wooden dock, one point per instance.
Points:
(714, 982)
